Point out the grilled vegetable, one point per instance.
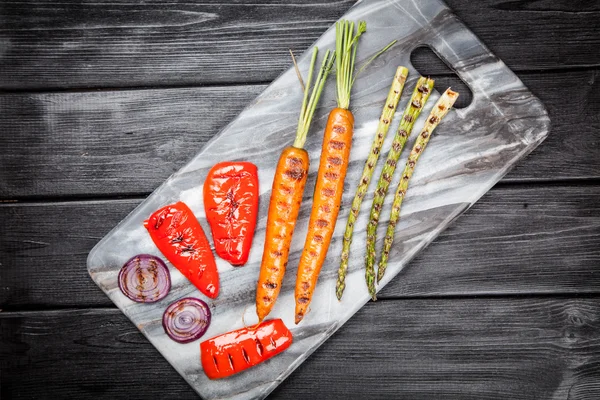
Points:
(411, 113)
(236, 351)
(333, 166)
(186, 320)
(389, 108)
(439, 111)
(179, 236)
(231, 205)
(286, 196)
(145, 279)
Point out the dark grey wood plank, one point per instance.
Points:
(532, 348)
(119, 142)
(74, 44)
(524, 239)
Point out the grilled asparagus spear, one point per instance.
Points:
(439, 111)
(411, 113)
(385, 120)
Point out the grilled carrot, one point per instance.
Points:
(286, 196)
(333, 166)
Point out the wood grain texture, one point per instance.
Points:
(514, 240)
(73, 44)
(533, 348)
(123, 142)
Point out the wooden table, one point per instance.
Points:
(102, 101)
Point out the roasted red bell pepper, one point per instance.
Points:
(179, 236)
(238, 350)
(231, 205)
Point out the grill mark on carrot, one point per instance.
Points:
(318, 238)
(295, 161)
(331, 175)
(328, 192)
(295, 173)
(269, 285)
(339, 129)
(337, 145)
(335, 160)
(321, 223)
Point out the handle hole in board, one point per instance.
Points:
(429, 64)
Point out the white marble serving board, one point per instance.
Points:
(470, 151)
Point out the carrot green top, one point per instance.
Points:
(309, 105)
(346, 43)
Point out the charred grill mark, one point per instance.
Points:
(270, 285)
(335, 160)
(319, 238)
(177, 239)
(303, 300)
(423, 89)
(331, 175)
(328, 192)
(408, 118)
(295, 161)
(295, 173)
(325, 208)
(245, 355)
(337, 145)
(424, 134)
(276, 253)
(259, 347)
(385, 121)
(339, 129)
(433, 119)
(391, 162)
(321, 223)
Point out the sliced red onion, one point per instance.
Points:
(186, 320)
(145, 279)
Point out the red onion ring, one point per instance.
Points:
(145, 279)
(186, 320)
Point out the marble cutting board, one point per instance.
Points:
(469, 152)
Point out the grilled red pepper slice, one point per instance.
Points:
(235, 351)
(231, 205)
(179, 236)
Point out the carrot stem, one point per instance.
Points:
(346, 44)
(310, 105)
